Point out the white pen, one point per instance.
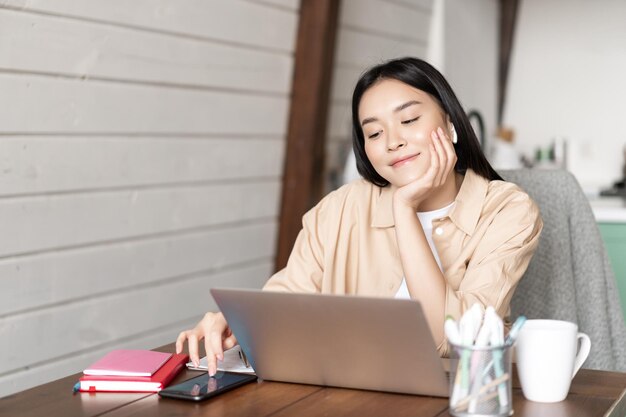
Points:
(484, 334)
(468, 327)
(452, 331)
(477, 370)
(470, 324)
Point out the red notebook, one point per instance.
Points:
(154, 383)
(125, 362)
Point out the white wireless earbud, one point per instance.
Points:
(455, 137)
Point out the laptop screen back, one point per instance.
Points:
(345, 341)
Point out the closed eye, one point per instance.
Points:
(374, 135)
(406, 122)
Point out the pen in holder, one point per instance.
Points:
(480, 381)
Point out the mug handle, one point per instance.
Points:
(583, 352)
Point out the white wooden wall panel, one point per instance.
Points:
(82, 49)
(336, 154)
(370, 32)
(229, 21)
(141, 149)
(424, 5)
(63, 221)
(91, 322)
(339, 121)
(387, 19)
(361, 50)
(43, 280)
(287, 4)
(344, 80)
(77, 361)
(32, 103)
(44, 164)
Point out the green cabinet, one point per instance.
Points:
(614, 235)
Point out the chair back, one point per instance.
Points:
(570, 277)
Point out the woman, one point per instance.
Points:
(431, 220)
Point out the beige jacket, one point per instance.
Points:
(348, 245)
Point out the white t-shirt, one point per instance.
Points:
(426, 219)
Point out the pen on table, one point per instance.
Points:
(244, 358)
(76, 388)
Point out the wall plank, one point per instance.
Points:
(83, 49)
(43, 164)
(288, 4)
(42, 104)
(339, 121)
(141, 149)
(42, 280)
(231, 21)
(100, 320)
(388, 19)
(50, 370)
(59, 221)
(337, 152)
(344, 80)
(353, 53)
(424, 5)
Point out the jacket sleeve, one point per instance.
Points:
(304, 269)
(499, 261)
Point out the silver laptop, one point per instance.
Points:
(380, 344)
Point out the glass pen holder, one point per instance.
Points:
(480, 381)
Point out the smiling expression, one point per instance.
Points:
(397, 121)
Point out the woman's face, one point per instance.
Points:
(397, 121)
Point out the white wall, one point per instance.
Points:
(458, 37)
(567, 79)
(369, 32)
(141, 148)
(470, 62)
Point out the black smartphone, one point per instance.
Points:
(203, 387)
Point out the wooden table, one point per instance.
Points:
(593, 393)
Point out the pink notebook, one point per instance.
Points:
(128, 363)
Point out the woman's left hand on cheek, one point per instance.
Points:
(442, 161)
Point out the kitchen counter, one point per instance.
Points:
(609, 209)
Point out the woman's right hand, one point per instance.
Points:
(217, 337)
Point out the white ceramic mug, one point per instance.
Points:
(547, 360)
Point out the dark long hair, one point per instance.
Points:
(425, 77)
